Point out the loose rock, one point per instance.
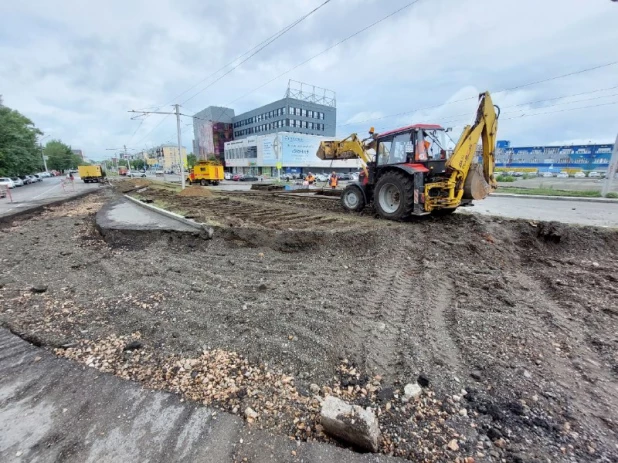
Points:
(350, 423)
(411, 391)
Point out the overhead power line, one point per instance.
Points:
(527, 84)
(259, 49)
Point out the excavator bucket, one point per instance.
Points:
(475, 186)
(326, 151)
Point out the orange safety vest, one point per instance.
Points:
(333, 181)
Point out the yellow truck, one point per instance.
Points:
(90, 174)
(206, 173)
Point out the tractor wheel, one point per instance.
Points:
(394, 196)
(352, 199)
(203, 182)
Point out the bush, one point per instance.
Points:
(612, 194)
(505, 178)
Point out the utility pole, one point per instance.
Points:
(182, 164)
(43, 153)
(177, 114)
(611, 170)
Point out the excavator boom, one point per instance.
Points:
(465, 180)
(351, 147)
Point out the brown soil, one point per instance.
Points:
(195, 191)
(521, 315)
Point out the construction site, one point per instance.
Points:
(470, 338)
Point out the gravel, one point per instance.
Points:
(353, 308)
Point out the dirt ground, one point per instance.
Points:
(512, 323)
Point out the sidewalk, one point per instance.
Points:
(52, 409)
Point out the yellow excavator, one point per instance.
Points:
(409, 171)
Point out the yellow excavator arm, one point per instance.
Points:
(464, 182)
(350, 147)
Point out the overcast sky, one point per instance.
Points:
(75, 68)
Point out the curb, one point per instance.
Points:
(34, 209)
(557, 198)
(172, 215)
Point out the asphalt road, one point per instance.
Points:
(567, 211)
(577, 184)
(36, 194)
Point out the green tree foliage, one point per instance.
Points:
(19, 152)
(60, 156)
(191, 160)
(138, 164)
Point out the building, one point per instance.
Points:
(166, 157)
(79, 153)
(305, 109)
(292, 152)
(545, 158)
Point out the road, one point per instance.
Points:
(576, 184)
(567, 211)
(37, 194)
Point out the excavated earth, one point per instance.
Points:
(511, 326)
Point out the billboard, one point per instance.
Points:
(298, 150)
(269, 155)
(503, 144)
(211, 138)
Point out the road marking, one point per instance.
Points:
(38, 196)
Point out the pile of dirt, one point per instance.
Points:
(195, 191)
(127, 185)
(511, 323)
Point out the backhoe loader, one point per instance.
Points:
(408, 171)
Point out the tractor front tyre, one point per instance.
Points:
(203, 182)
(352, 199)
(394, 196)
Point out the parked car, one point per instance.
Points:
(136, 174)
(227, 176)
(7, 182)
(518, 174)
(17, 181)
(579, 175)
(321, 178)
(563, 175)
(594, 174)
(354, 176)
(249, 178)
(24, 178)
(44, 174)
(237, 177)
(547, 174)
(343, 176)
(33, 179)
(38, 177)
(511, 173)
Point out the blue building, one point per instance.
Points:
(571, 157)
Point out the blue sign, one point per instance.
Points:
(503, 144)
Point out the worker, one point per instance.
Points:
(333, 180)
(310, 179)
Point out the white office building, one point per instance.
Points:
(292, 152)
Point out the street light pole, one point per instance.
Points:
(611, 170)
(42, 153)
(182, 164)
(177, 114)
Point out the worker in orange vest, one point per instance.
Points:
(310, 179)
(334, 181)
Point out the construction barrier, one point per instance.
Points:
(5, 192)
(68, 185)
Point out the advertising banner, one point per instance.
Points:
(299, 151)
(269, 157)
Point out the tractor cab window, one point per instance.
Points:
(384, 152)
(396, 151)
(433, 144)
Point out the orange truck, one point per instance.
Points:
(123, 171)
(206, 173)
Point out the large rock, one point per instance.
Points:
(350, 423)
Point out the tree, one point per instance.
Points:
(138, 164)
(19, 153)
(191, 160)
(60, 156)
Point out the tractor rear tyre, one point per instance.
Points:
(203, 182)
(352, 199)
(394, 196)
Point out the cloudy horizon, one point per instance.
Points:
(77, 69)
